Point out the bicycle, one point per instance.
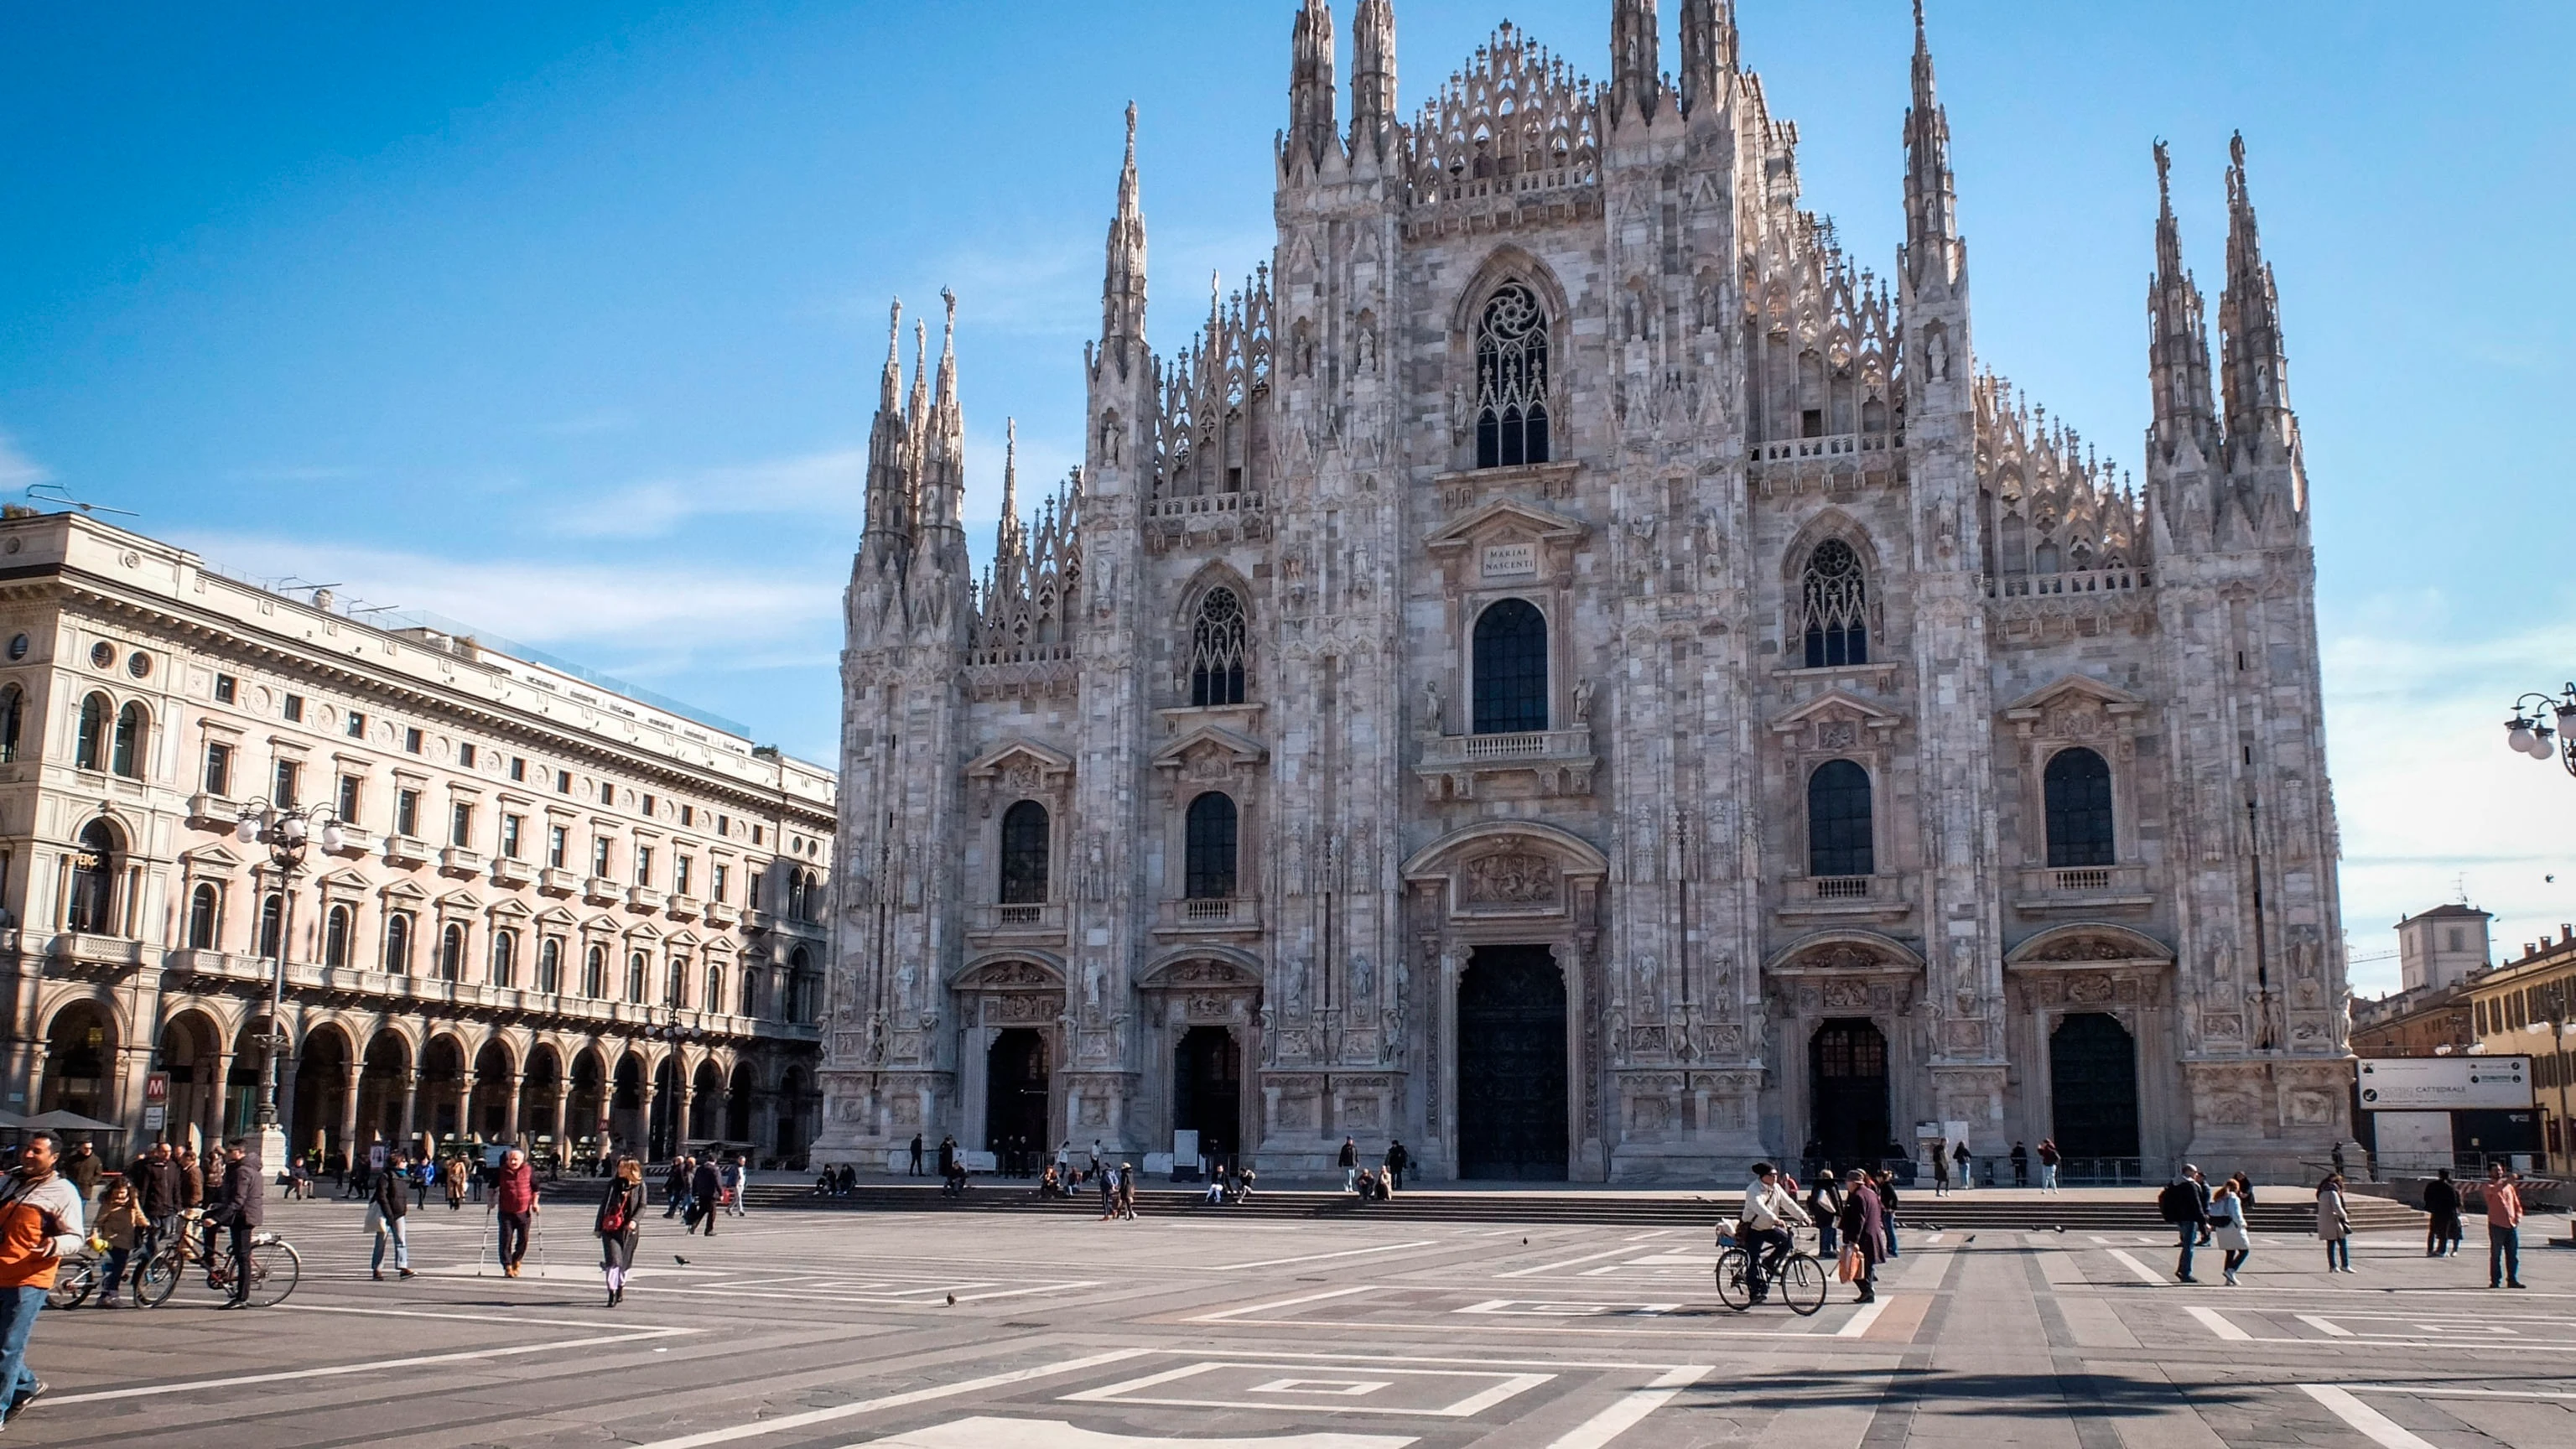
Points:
(74, 1280)
(1799, 1278)
(275, 1267)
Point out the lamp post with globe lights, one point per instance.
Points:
(2530, 729)
(288, 833)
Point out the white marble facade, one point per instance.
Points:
(1567, 671)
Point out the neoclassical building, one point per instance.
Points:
(564, 914)
(1568, 670)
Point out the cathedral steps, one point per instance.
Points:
(2289, 1211)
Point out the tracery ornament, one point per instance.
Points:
(1217, 649)
(1511, 379)
(1833, 606)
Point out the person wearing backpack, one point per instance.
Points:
(2185, 1204)
(619, 1225)
(386, 1210)
(2227, 1217)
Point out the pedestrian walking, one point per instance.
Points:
(2441, 1214)
(421, 1172)
(619, 1225)
(915, 1169)
(1127, 1191)
(1940, 1169)
(113, 1233)
(162, 1193)
(2227, 1217)
(2185, 1204)
(738, 1184)
(2334, 1224)
(1883, 1183)
(1350, 1165)
(1864, 1229)
(388, 1209)
(452, 1173)
(514, 1205)
(675, 1187)
(947, 1158)
(1825, 1206)
(1108, 1181)
(706, 1196)
(40, 1225)
(82, 1169)
(1967, 1164)
(2021, 1165)
(2504, 1228)
(2048, 1164)
(1397, 1161)
(1064, 1164)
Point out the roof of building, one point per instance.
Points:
(2449, 908)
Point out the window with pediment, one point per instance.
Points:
(1218, 637)
(1838, 821)
(1024, 854)
(1833, 606)
(1208, 853)
(1511, 379)
(1511, 669)
(2077, 787)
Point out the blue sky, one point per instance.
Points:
(565, 319)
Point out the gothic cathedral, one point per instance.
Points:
(1568, 672)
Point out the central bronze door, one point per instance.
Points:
(1511, 1065)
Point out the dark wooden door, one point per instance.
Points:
(2093, 1087)
(1847, 1084)
(1511, 1065)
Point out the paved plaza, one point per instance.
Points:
(1024, 1331)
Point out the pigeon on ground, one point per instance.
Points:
(676, 1258)
(952, 1300)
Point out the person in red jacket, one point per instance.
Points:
(514, 1200)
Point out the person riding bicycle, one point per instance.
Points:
(1770, 1207)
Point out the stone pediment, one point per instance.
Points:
(556, 916)
(1208, 741)
(403, 890)
(1019, 971)
(1021, 760)
(1507, 515)
(512, 907)
(1203, 968)
(211, 859)
(1844, 951)
(1836, 704)
(342, 880)
(687, 939)
(2089, 943)
(2074, 689)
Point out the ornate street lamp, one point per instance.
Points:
(2529, 730)
(288, 833)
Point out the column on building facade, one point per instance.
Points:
(287, 1069)
(680, 1087)
(213, 1081)
(349, 1113)
(518, 1082)
(465, 1102)
(410, 1109)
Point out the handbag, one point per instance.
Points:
(1852, 1264)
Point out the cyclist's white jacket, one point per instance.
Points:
(1769, 1205)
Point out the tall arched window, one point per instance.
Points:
(505, 958)
(335, 937)
(133, 730)
(800, 986)
(1838, 837)
(89, 745)
(1833, 606)
(635, 973)
(594, 973)
(810, 909)
(550, 965)
(1217, 639)
(398, 942)
(272, 917)
(1024, 854)
(751, 1002)
(205, 916)
(714, 998)
(2078, 785)
(1511, 380)
(451, 953)
(675, 984)
(13, 717)
(94, 867)
(1208, 854)
(1511, 669)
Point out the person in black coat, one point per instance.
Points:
(2442, 1215)
(619, 1225)
(706, 1194)
(237, 1211)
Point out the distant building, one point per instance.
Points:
(564, 913)
(2442, 947)
(2523, 1008)
(2413, 1023)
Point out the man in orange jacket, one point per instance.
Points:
(40, 1225)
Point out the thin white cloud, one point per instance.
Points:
(825, 490)
(17, 470)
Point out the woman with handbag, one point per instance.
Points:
(1864, 1242)
(2227, 1228)
(2334, 1224)
(619, 1225)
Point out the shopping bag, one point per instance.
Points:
(1852, 1265)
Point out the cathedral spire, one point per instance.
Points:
(1008, 543)
(1933, 252)
(2177, 342)
(889, 487)
(1636, 77)
(1122, 292)
(943, 457)
(1709, 51)
(1311, 96)
(1373, 78)
(2255, 370)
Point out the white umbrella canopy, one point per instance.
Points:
(62, 1121)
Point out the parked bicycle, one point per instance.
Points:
(1797, 1278)
(274, 1267)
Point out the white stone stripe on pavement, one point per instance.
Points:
(2144, 1272)
(1224, 1314)
(1323, 1257)
(1861, 1320)
(2220, 1325)
(1567, 1263)
(2373, 1425)
(191, 1386)
(1631, 1408)
(785, 1422)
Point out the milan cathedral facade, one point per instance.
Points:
(1567, 671)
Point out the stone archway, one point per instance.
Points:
(997, 997)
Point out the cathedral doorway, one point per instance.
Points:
(1015, 1096)
(1207, 1090)
(1511, 1065)
(1847, 1087)
(2093, 1096)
